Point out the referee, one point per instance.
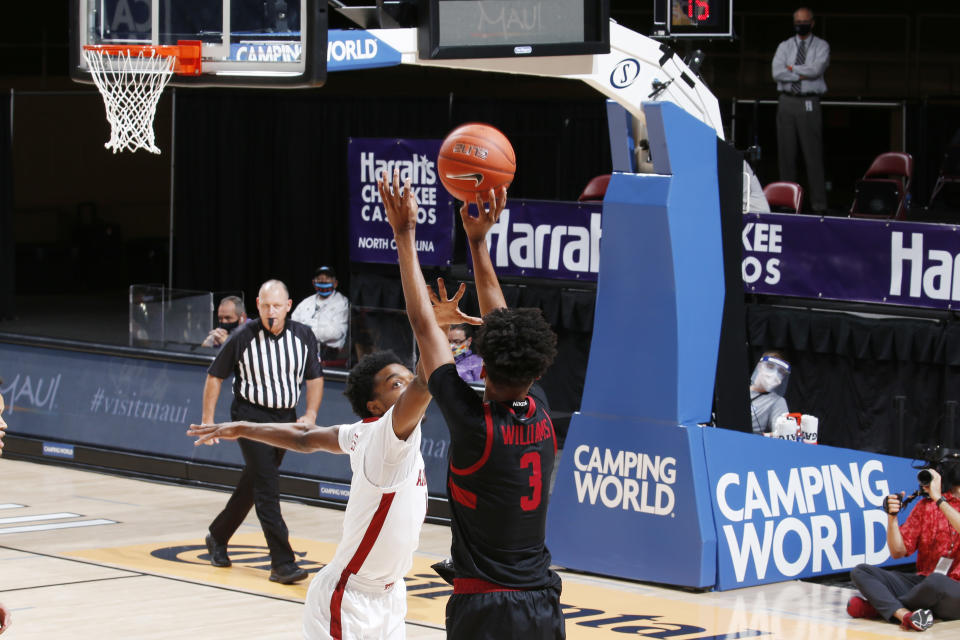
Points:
(269, 360)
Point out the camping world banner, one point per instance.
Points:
(371, 239)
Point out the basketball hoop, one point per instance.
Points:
(130, 79)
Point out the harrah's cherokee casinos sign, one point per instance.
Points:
(371, 238)
(879, 261)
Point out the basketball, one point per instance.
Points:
(475, 158)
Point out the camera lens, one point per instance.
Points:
(924, 477)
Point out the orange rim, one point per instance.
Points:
(186, 53)
(134, 49)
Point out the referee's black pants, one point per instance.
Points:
(259, 486)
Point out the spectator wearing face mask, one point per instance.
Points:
(230, 314)
(768, 384)
(327, 313)
(798, 68)
(469, 364)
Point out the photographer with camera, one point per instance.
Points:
(932, 530)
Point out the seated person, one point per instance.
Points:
(327, 312)
(230, 314)
(469, 364)
(767, 387)
(931, 530)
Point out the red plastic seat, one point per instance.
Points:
(595, 189)
(882, 192)
(784, 197)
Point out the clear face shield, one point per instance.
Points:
(771, 375)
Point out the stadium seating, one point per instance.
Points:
(882, 192)
(784, 197)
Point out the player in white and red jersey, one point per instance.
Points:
(360, 593)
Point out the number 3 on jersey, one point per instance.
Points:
(532, 459)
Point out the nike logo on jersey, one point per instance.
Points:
(476, 177)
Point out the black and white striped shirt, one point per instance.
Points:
(269, 370)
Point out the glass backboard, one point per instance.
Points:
(244, 42)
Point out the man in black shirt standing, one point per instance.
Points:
(269, 359)
(502, 448)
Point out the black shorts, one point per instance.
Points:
(500, 615)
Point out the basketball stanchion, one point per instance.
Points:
(130, 79)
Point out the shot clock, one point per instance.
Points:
(693, 18)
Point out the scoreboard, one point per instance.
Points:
(514, 28)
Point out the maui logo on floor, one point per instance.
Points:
(625, 480)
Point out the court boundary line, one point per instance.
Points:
(137, 573)
(67, 584)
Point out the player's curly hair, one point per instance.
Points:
(517, 345)
(359, 389)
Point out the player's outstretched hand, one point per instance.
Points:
(212, 433)
(477, 228)
(400, 203)
(447, 310)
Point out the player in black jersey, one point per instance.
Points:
(502, 448)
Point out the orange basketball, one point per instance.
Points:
(475, 158)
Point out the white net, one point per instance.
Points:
(131, 84)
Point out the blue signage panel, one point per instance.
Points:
(143, 406)
(629, 502)
(787, 510)
(58, 450)
(547, 240)
(260, 51)
(348, 50)
(371, 239)
(879, 261)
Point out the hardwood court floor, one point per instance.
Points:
(86, 555)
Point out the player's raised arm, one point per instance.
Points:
(295, 436)
(401, 207)
(489, 294)
(412, 403)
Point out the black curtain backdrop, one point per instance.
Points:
(261, 191)
(569, 311)
(7, 242)
(261, 186)
(731, 398)
(859, 374)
